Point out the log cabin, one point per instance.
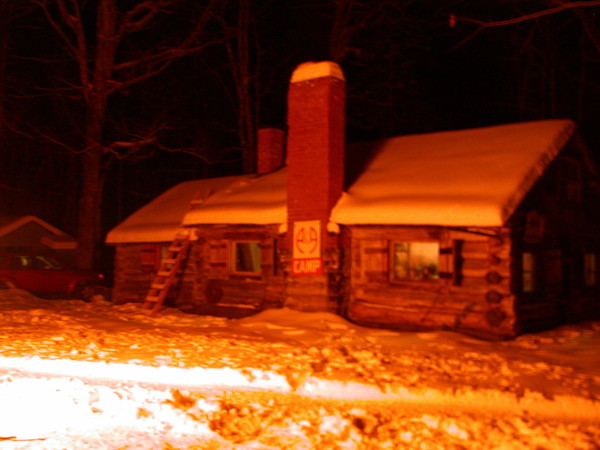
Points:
(490, 231)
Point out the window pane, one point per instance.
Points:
(47, 263)
(21, 262)
(590, 269)
(148, 255)
(528, 262)
(415, 260)
(247, 257)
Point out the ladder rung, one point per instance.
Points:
(151, 298)
(158, 286)
(170, 261)
(164, 273)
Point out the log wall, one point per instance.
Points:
(206, 279)
(135, 267)
(211, 282)
(558, 224)
(472, 295)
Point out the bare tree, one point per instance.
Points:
(555, 59)
(482, 24)
(8, 10)
(239, 55)
(105, 64)
(377, 43)
(4, 21)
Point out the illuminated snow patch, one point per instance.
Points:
(196, 376)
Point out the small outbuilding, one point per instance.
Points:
(34, 234)
(490, 231)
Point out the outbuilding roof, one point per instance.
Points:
(474, 177)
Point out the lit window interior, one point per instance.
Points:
(528, 262)
(415, 261)
(247, 257)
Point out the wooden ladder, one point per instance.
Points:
(170, 265)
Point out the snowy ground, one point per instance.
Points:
(77, 375)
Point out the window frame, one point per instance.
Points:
(570, 179)
(233, 248)
(590, 270)
(533, 272)
(152, 255)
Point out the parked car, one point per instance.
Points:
(46, 276)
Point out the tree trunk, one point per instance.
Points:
(89, 207)
(4, 34)
(239, 59)
(90, 220)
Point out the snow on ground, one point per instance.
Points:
(79, 375)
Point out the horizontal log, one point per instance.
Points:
(468, 320)
(415, 298)
(397, 233)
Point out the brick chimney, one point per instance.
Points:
(270, 150)
(315, 179)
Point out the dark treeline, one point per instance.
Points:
(105, 104)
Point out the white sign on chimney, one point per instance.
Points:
(306, 256)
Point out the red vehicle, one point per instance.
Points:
(46, 276)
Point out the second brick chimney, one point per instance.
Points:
(270, 150)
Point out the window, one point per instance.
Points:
(415, 261)
(589, 268)
(528, 272)
(246, 257)
(163, 252)
(148, 256)
(34, 263)
(47, 263)
(553, 271)
(570, 179)
(153, 255)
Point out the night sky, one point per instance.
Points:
(407, 70)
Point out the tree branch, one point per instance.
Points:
(77, 45)
(54, 24)
(153, 65)
(453, 19)
(587, 25)
(133, 150)
(141, 15)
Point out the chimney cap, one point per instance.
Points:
(311, 70)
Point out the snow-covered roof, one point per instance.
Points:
(244, 199)
(10, 224)
(158, 220)
(256, 199)
(474, 177)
